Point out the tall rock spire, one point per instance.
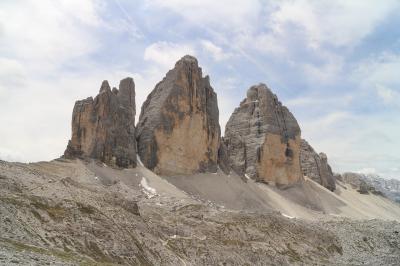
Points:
(263, 139)
(104, 127)
(178, 130)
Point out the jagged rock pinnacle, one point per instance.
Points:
(263, 139)
(178, 130)
(104, 127)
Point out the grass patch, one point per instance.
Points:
(62, 255)
(56, 212)
(21, 247)
(13, 201)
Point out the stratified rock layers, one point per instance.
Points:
(316, 167)
(263, 139)
(178, 130)
(104, 128)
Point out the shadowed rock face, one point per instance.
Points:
(178, 130)
(263, 139)
(104, 128)
(316, 167)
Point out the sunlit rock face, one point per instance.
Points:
(178, 130)
(103, 128)
(263, 139)
(316, 167)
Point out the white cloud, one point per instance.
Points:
(165, 54)
(12, 72)
(226, 83)
(323, 124)
(320, 101)
(379, 75)
(353, 142)
(216, 52)
(37, 38)
(379, 69)
(48, 32)
(389, 96)
(325, 73)
(10, 155)
(233, 15)
(337, 23)
(267, 43)
(228, 105)
(367, 171)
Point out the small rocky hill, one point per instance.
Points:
(316, 167)
(373, 184)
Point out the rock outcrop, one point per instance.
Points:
(366, 184)
(316, 167)
(178, 130)
(104, 127)
(263, 139)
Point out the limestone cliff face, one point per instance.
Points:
(263, 139)
(316, 167)
(104, 127)
(178, 130)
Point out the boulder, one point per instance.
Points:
(315, 166)
(178, 131)
(103, 128)
(263, 139)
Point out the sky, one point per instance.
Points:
(335, 64)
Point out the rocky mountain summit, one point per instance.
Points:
(263, 139)
(316, 167)
(178, 130)
(104, 127)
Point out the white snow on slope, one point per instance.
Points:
(138, 160)
(148, 190)
(287, 216)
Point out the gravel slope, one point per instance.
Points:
(83, 213)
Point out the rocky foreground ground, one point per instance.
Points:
(64, 213)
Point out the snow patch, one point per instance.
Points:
(148, 190)
(96, 178)
(248, 177)
(138, 160)
(287, 216)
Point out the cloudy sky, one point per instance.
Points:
(335, 64)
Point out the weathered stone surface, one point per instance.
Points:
(223, 158)
(316, 167)
(178, 130)
(104, 127)
(366, 184)
(263, 139)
